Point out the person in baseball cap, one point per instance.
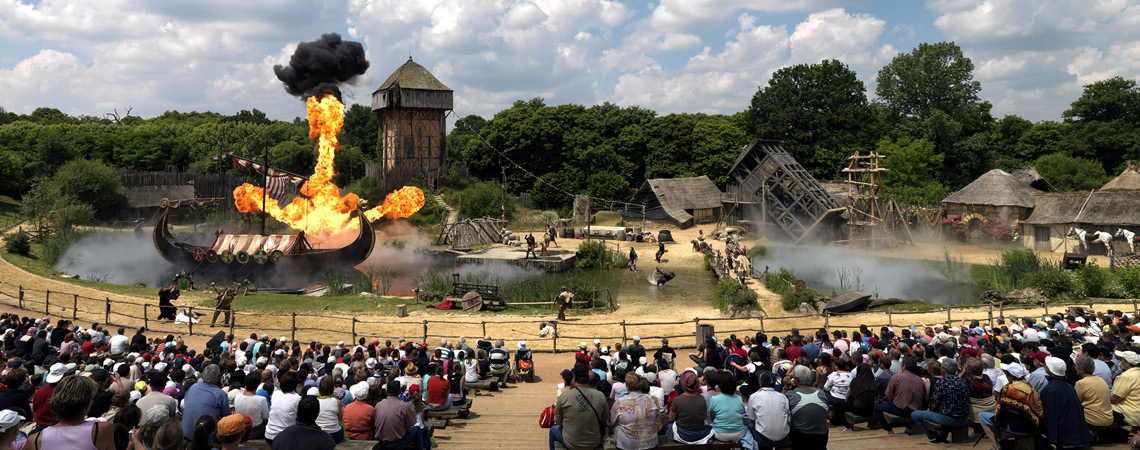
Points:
(233, 430)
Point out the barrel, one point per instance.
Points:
(620, 235)
(564, 232)
(577, 233)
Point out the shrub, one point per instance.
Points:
(1055, 282)
(1130, 280)
(733, 297)
(1094, 280)
(594, 255)
(93, 182)
(484, 199)
(757, 252)
(792, 299)
(18, 244)
(781, 281)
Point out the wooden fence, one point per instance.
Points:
(350, 328)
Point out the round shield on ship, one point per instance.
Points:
(260, 257)
(242, 257)
(211, 255)
(276, 256)
(227, 256)
(199, 254)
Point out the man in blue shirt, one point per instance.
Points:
(204, 398)
(1064, 424)
(811, 349)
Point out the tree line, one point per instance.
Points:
(927, 118)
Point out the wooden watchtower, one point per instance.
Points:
(412, 106)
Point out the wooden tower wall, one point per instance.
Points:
(414, 138)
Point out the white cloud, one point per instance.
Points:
(701, 15)
(834, 34)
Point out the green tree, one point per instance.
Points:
(92, 182)
(53, 149)
(1106, 100)
(931, 94)
(819, 111)
(484, 199)
(245, 116)
(361, 129)
(46, 206)
(1067, 173)
(293, 157)
(461, 135)
(912, 167)
(49, 116)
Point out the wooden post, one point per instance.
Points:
(827, 321)
(1001, 310)
(623, 335)
(293, 329)
(107, 314)
(554, 344)
(991, 315)
(145, 324)
(1134, 311)
(890, 318)
(74, 306)
(233, 321)
(949, 321)
(47, 301)
(425, 331)
(353, 330)
(190, 312)
(484, 323)
(21, 297)
(761, 325)
(1046, 306)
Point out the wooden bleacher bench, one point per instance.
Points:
(459, 411)
(483, 385)
(664, 442)
(872, 423)
(957, 434)
(912, 428)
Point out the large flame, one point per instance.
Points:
(325, 212)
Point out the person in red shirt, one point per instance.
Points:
(41, 408)
(358, 415)
(438, 391)
(793, 349)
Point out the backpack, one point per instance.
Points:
(546, 419)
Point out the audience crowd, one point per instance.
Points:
(1066, 381)
(65, 387)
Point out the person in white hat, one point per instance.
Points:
(1019, 406)
(1065, 425)
(10, 424)
(1126, 388)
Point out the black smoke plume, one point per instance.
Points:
(316, 65)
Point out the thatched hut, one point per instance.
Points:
(682, 201)
(996, 195)
(1055, 212)
(1129, 180)
(1031, 178)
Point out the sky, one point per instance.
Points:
(85, 57)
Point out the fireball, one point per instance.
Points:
(321, 210)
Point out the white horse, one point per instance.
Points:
(1099, 236)
(1129, 237)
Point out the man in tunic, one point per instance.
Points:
(564, 298)
(530, 242)
(223, 300)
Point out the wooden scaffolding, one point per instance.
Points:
(872, 220)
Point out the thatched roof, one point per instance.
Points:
(1129, 180)
(1114, 208)
(1103, 208)
(413, 76)
(995, 188)
(1031, 178)
(670, 198)
(1056, 207)
(150, 196)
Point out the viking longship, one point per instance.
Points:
(239, 254)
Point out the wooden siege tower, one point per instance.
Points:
(412, 106)
(872, 220)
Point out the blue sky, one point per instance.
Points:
(90, 57)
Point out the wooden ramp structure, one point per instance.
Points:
(785, 194)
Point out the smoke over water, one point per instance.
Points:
(121, 258)
(319, 66)
(832, 269)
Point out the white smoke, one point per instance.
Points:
(829, 269)
(117, 257)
